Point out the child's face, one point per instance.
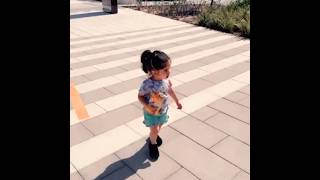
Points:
(162, 73)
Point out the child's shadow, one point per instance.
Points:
(136, 161)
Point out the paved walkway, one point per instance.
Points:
(208, 139)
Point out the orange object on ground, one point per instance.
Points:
(77, 103)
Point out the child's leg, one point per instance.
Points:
(159, 141)
(159, 126)
(154, 130)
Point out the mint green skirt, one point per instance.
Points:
(152, 120)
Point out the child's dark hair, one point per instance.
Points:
(153, 60)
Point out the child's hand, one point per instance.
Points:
(179, 105)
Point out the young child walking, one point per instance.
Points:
(153, 95)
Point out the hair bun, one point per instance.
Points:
(146, 56)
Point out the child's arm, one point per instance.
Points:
(173, 95)
(146, 106)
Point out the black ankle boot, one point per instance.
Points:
(153, 151)
(159, 141)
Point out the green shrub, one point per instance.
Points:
(233, 18)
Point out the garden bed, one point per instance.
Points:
(233, 18)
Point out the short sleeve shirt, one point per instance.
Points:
(155, 93)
